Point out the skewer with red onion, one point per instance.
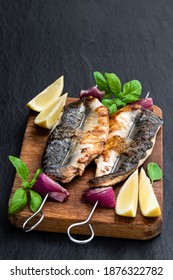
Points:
(146, 103)
(93, 91)
(45, 185)
(104, 196)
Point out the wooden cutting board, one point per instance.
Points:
(59, 216)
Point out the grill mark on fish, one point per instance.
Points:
(120, 124)
(76, 140)
(136, 150)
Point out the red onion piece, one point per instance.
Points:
(146, 103)
(46, 185)
(93, 91)
(104, 196)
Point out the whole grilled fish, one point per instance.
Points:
(132, 133)
(76, 140)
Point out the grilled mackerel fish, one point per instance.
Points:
(76, 140)
(132, 134)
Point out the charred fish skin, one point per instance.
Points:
(76, 140)
(62, 139)
(139, 147)
(70, 120)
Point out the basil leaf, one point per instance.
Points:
(18, 201)
(37, 173)
(107, 102)
(120, 95)
(35, 200)
(120, 103)
(101, 81)
(130, 99)
(132, 90)
(114, 83)
(154, 172)
(21, 167)
(112, 109)
(26, 185)
(107, 95)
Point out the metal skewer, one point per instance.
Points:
(147, 95)
(80, 224)
(39, 211)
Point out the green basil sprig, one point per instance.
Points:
(20, 196)
(117, 96)
(154, 172)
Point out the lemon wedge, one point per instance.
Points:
(148, 203)
(48, 117)
(48, 96)
(127, 199)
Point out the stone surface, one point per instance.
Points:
(41, 40)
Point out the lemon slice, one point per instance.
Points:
(48, 117)
(47, 96)
(127, 200)
(148, 203)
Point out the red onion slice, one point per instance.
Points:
(146, 103)
(46, 185)
(93, 91)
(104, 196)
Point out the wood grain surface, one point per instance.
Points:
(58, 216)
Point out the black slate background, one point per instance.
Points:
(41, 40)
